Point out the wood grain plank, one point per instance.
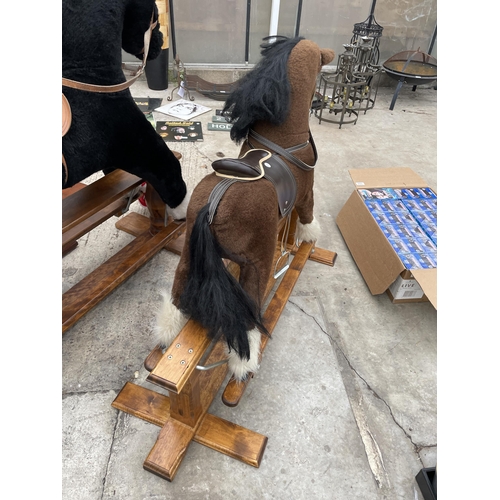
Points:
(179, 361)
(319, 255)
(169, 449)
(85, 226)
(143, 403)
(96, 196)
(231, 439)
(83, 296)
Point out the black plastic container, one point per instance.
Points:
(427, 482)
(157, 72)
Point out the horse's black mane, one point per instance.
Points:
(264, 92)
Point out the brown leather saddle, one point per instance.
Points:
(256, 164)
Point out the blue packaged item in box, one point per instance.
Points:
(377, 193)
(399, 194)
(399, 206)
(394, 218)
(428, 261)
(428, 204)
(424, 233)
(415, 245)
(428, 192)
(400, 245)
(390, 205)
(427, 244)
(412, 205)
(407, 217)
(410, 230)
(374, 206)
(410, 261)
(411, 193)
(382, 218)
(390, 231)
(424, 217)
(430, 230)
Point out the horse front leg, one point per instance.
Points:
(308, 228)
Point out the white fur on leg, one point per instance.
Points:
(169, 321)
(179, 212)
(240, 368)
(307, 232)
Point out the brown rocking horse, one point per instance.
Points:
(234, 213)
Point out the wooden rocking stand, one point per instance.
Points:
(84, 207)
(193, 369)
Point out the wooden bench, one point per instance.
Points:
(193, 369)
(84, 207)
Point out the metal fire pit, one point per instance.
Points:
(410, 66)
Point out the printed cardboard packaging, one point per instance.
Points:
(380, 266)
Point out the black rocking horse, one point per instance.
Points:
(105, 129)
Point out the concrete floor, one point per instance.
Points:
(346, 393)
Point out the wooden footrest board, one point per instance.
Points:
(83, 296)
(86, 202)
(76, 232)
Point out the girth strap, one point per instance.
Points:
(285, 153)
(216, 195)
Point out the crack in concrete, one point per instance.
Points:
(313, 318)
(82, 393)
(109, 454)
(336, 345)
(417, 447)
(372, 450)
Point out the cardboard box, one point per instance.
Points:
(374, 255)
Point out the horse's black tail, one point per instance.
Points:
(212, 296)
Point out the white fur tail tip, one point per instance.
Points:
(307, 232)
(169, 321)
(179, 212)
(240, 368)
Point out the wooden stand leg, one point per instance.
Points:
(183, 415)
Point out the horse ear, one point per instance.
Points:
(327, 55)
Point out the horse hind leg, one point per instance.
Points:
(169, 318)
(169, 321)
(240, 368)
(253, 279)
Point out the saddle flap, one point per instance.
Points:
(280, 175)
(66, 115)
